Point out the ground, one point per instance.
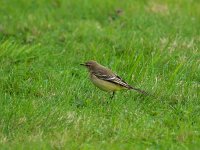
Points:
(47, 101)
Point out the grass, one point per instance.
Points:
(46, 101)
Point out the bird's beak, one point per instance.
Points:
(82, 64)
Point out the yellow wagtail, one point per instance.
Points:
(105, 79)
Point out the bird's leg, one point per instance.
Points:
(112, 95)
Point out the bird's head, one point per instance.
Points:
(90, 64)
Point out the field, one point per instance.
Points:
(47, 100)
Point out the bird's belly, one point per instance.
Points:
(105, 85)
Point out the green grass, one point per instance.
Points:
(47, 101)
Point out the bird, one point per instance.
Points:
(106, 80)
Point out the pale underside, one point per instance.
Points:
(106, 85)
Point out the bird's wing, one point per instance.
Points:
(111, 77)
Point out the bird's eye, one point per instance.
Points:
(87, 64)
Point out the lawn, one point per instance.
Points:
(47, 100)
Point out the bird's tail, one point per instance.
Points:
(138, 90)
